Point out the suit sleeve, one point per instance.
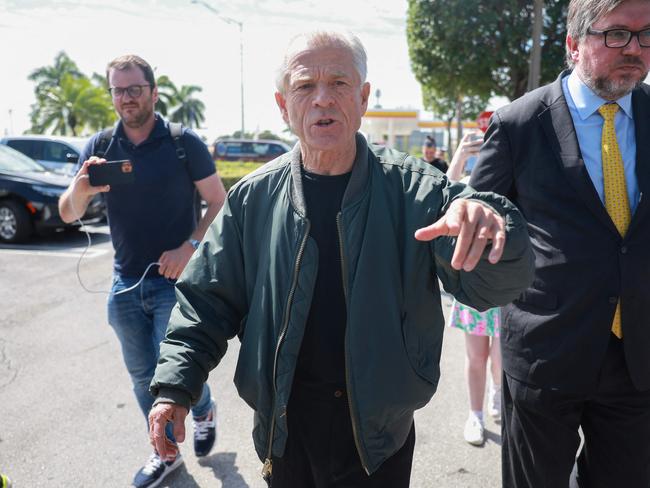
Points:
(494, 170)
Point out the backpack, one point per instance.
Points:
(175, 132)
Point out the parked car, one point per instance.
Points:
(57, 153)
(260, 150)
(29, 196)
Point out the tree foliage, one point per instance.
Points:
(70, 103)
(47, 77)
(453, 105)
(481, 48)
(180, 104)
(67, 101)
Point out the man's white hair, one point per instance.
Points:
(319, 39)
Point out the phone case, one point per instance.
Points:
(111, 173)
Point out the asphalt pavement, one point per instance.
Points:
(68, 417)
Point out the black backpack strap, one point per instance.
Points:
(103, 141)
(176, 131)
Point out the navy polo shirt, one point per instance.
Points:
(156, 212)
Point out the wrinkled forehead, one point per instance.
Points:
(320, 62)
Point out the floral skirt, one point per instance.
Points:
(473, 322)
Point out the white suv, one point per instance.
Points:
(56, 153)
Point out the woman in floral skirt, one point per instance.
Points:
(481, 328)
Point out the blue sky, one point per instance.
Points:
(192, 45)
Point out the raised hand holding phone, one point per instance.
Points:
(111, 173)
(465, 156)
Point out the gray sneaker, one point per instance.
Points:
(205, 431)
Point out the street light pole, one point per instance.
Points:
(241, 73)
(239, 24)
(534, 67)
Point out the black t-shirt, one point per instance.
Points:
(441, 164)
(321, 361)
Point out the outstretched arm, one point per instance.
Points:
(475, 225)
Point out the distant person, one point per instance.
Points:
(314, 265)
(575, 157)
(429, 154)
(153, 220)
(481, 328)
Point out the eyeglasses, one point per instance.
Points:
(134, 91)
(622, 37)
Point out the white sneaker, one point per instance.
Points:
(494, 402)
(474, 432)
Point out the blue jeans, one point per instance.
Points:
(139, 318)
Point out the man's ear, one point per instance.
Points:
(154, 94)
(282, 104)
(573, 48)
(365, 95)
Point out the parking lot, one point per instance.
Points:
(69, 418)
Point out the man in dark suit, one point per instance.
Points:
(575, 157)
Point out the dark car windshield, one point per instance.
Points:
(16, 162)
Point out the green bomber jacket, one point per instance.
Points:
(254, 273)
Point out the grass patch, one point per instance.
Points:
(232, 171)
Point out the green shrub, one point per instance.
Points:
(232, 171)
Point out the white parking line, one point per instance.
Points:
(91, 253)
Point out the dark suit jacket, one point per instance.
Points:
(556, 334)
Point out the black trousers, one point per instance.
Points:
(540, 432)
(321, 451)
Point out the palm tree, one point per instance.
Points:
(167, 93)
(189, 111)
(179, 104)
(51, 76)
(72, 107)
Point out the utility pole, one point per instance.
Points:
(239, 24)
(534, 69)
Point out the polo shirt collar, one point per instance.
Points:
(587, 102)
(160, 129)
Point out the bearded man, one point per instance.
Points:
(575, 158)
(155, 227)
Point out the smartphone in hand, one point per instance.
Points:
(111, 173)
(469, 164)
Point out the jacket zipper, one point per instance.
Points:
(267, 469)
(355, 432)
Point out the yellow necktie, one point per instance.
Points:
(616, 201)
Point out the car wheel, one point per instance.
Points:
(15, 223)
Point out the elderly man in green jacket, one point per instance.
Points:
(325, 263)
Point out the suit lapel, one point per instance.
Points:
(558, 125)
(641, 110)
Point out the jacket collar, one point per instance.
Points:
(557, 123)
(358, 178)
